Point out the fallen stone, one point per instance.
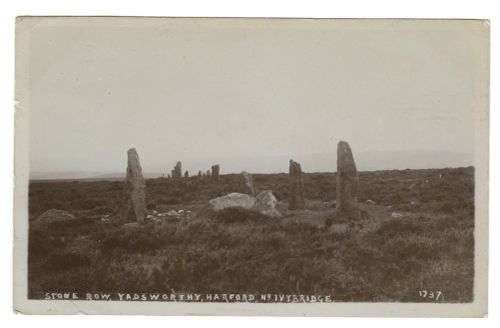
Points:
(232, 200)
(265, 203)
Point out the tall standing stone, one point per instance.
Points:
(248, 183)
(215, 172)
(296, 186)
(347, 179)
(134, 206)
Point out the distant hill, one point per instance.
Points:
(84, 175)
(324, 162)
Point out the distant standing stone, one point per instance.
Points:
(177, 171)
(248, 183)
(215, 172)
(186, 174)
(134, 206)
(347, 179)
(296, 186)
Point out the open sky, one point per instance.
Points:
(203, 91)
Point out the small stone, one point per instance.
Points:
(396, 215)
(54, 215)
(132, 225)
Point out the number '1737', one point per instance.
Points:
(430, 294)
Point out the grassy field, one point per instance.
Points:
(384, 257)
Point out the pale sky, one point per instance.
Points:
(206, 90)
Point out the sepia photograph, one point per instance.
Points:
(251, 166)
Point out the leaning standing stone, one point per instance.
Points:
(134, 205)
(347, 179)
(296, 186)
(248, 183)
